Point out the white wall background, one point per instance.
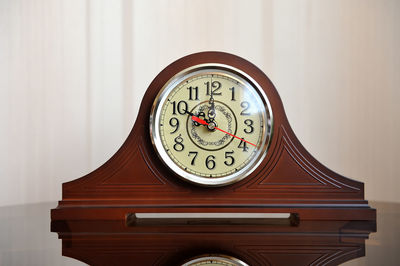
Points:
(72, 75)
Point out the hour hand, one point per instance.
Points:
(196, 118)
(189, 113)
(199, 120)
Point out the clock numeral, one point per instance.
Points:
(249, 123)
(178, 146)
(215, 86)
(194, 157)
(174, 122)
(228, 155)
(243, 145)
(233, 93)
(245, 105)
(210, 163)
(195, 91)
(179, 107)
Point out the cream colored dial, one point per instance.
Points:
(211, 124)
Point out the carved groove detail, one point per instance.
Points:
(288, 169)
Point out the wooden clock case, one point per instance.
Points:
(289, 179)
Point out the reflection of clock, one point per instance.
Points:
(215, 260)
(211, 124)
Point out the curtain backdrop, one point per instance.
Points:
(72, 75)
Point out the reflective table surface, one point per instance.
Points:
(26, 240)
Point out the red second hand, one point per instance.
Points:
(201, 121)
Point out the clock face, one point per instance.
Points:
(216, 260)
(211, 124)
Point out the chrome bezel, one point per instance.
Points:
(215, 257)
(161, 97)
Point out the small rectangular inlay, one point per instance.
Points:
(137, 219)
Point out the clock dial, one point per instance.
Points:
(215, 260)
(211, 124)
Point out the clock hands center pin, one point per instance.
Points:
(211, 124)
(203, 122)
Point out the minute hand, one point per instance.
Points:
(201, 121)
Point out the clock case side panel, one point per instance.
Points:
(288, 176)
(134, 171)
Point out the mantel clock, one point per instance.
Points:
(212, 136)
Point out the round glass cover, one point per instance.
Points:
(211, 124)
